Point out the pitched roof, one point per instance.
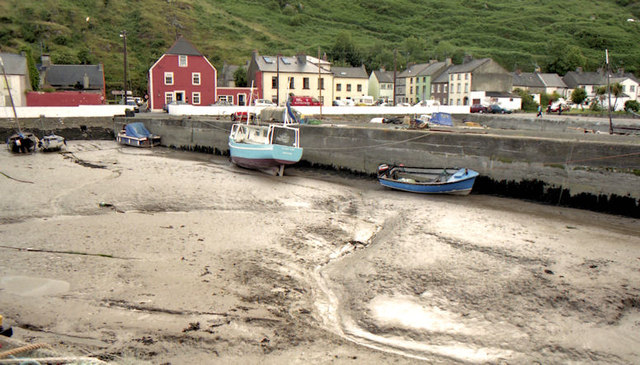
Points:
(413, 70)
(469, 66)
(432, 69)
(443, 78)
(527, 79)
(574, 79)
(552, 80)
(384, 76)
(183, 47)
(296, 64)
(14, 64)
(70, 75)
(350, 72)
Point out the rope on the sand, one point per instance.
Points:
(22, 349)
(18, 180)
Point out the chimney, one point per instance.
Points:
(579, 70)
(302, 58)
(447, 62)
(46, 60)
(467, 58)
(85, 81)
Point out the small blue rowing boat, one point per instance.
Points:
(427, 180)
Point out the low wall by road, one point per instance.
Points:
(191, 110)
(81, 111)
(600, 173)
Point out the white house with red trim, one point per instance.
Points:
(184, 75)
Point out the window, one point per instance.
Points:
(195, 98)
(338, 87)
(168, 78)
(359, 88)
(450, 101)
(445, 87)
(411, 90)
(458, 79)
(274, 82)
(195, 78)
(305, 83)
(292, 84)
(458, 102)
(466, 87)
(451, 77)
(458, 91)
(632, 88)
(348, 87)
(168, 97)
(321, 83)
(182, 61)
(227, 98)
(466, 76)
(433, 88)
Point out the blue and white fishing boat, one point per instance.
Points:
(265, 147)
(427, 180)
(135, 134)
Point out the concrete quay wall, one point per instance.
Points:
(600, 173)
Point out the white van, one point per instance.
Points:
(364, 100)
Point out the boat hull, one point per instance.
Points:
(457, 182)
(138, 142)
(254, 156)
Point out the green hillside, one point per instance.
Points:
(556, 35)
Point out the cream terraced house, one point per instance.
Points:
(274, 77)
(476, 75)
(350, 82)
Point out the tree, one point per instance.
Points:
(578, 96)
(240, 77)
(632, 105)
(34, 75)
(565, 58)
(345, 51)
(528, 104)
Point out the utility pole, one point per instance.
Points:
(319, 84)
(278, 79)
(606, 53)
(395, 51)
(123, 34)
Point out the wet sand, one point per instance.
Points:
(161, 256)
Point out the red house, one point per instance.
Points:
(182, 75)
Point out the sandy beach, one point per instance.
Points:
(157, 256)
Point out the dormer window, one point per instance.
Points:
(182, 60)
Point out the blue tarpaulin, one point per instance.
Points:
(441, 118)
(137, 130)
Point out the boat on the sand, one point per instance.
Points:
(457, 181)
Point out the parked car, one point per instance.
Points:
(343, 102)
(134, 106)
(305, 101)
(478, 108)
(497, 109)
(263, 102)
(556, 108)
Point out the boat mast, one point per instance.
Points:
(606, 53)
(13, 106)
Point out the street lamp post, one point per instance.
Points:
(123, 35)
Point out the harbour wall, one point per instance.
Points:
(584, 170)
(595, 172)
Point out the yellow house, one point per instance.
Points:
(350, 83)
(274, 77)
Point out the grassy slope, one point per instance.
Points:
(517, 33)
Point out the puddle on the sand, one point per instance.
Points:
(32, 287)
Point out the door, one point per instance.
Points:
(241, 99)
(180, 96)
